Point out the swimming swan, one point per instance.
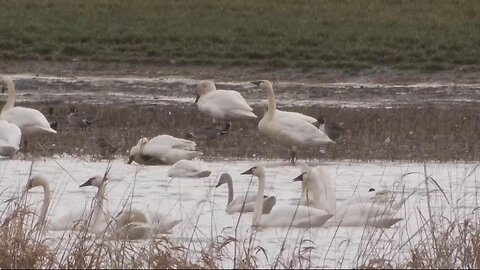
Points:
(279, 113)
(131, 223)
(225, 105)
(162, 150)
(188, 168)
(10, 137)
(349, 214)
(30, 121)
(287, 131)
(285, 216)
(243, 203)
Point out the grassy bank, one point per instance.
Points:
(351, 35)
(409, 133)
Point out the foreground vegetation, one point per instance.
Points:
(426, 35)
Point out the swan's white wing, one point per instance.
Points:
(188, 168)
(319, 190)
(225, 104)
(302, 216)
(236, 205)
(362, 214)
(27, 119)
(291, 130)
(10, 134)
(160, 223)
(298, 115)
(170, 141)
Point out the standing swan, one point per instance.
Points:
(10, 137)
(349, 214)
(131, 223)
(30, 121)
(285, 216)
(162, 150)
(243, 203)
(225, 105)
(290, 132)
(279, 113)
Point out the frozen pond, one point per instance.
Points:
(181, 90)
(201, 206)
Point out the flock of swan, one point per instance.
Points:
(291, 130)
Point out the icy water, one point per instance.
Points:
(202, 206)
(178, 89)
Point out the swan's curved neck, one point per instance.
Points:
(100, 197)
(46, 202)
(272, 104)
(11, 96)
(257, 211)
(230, 191)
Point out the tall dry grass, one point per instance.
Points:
(428, 132)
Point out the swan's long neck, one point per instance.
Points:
(100, 197)
(272, 104)
(230, 191)
(11, 95)
(257, 211)
(46, 202)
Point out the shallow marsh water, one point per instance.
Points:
(201, 206)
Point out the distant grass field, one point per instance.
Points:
(350, 35)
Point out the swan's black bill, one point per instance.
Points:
(298, 178)
(130, 159)
(29, 184)
(249, 171)
(371, 189)
(88, 183)
(219, 184)
(257, 83)
(196, 99)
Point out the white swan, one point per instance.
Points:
(290, 132)
(162, 150)
(350, 214)
(317, 189)
(280, 113)
(225, 105)
(40, 180)
(244, 203)
(285, 216)
(131, 223)
(10, 137)
(30, 121)
(188, 168)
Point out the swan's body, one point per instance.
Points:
(225, 105)
(333, 129)
(295, 216)
(131, 223)
(30, 121)
(317, 190)
(10, 137)
(188, 168)
(280, 113)
(244, 203)
(287, 131)
(162, 150)
(355, 213)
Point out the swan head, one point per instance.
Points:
(224, 178)
(95, 181)
(321, 120)
(371, 189)
(4, 82)
(35, 181)
(263, 84)
(257, 171)
(204, 87)
(136, 149)
(301, 177)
